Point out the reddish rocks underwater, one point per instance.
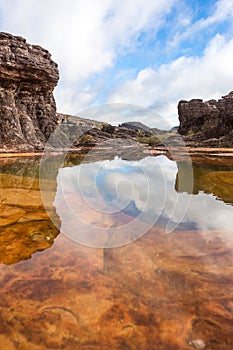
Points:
(164, 291)
(27, 106)
(161, 292)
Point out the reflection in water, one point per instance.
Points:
(126, 197)
(211, 205)
(25, 226)
(216, 179)
(92, 198)
(163, 291)
(89, 195)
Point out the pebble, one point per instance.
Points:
(198, 344)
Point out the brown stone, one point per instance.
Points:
(207, 123)
(27, 106)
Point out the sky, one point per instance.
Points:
(148, 53)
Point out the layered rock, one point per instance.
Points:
(27, 106)
(207, 123)
(138, 126)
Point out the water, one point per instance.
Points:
(170, 287)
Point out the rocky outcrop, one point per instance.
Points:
(138, 126)
(207, 123)
(108, 133)
(27, 106)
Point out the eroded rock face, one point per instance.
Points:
(27, 106)
(208, 123)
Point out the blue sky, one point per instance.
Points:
(149, 53)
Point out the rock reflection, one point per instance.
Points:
(215, 179)
(25, 226)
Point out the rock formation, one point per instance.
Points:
(207, 123)
(27, 106)
(138, 126)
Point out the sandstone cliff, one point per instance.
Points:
(27, 107)
(207, 123)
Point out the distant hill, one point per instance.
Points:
(140, 126)
(135, 126)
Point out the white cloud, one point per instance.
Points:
(222, 11)
(116, 113)
(84, 36)
(206, 77)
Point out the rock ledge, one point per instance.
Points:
(207, 123)
(27, 106)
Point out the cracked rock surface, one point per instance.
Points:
(207, 123)
(27, 106)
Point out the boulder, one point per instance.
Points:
(27, 106)
(207, 123)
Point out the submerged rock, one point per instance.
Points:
(27, 106)
(198, 344)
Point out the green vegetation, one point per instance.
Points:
(149, 140)
(86, 140)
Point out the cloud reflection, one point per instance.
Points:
(91, 199)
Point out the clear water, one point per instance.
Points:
(116, 254)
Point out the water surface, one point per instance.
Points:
(161, 291)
